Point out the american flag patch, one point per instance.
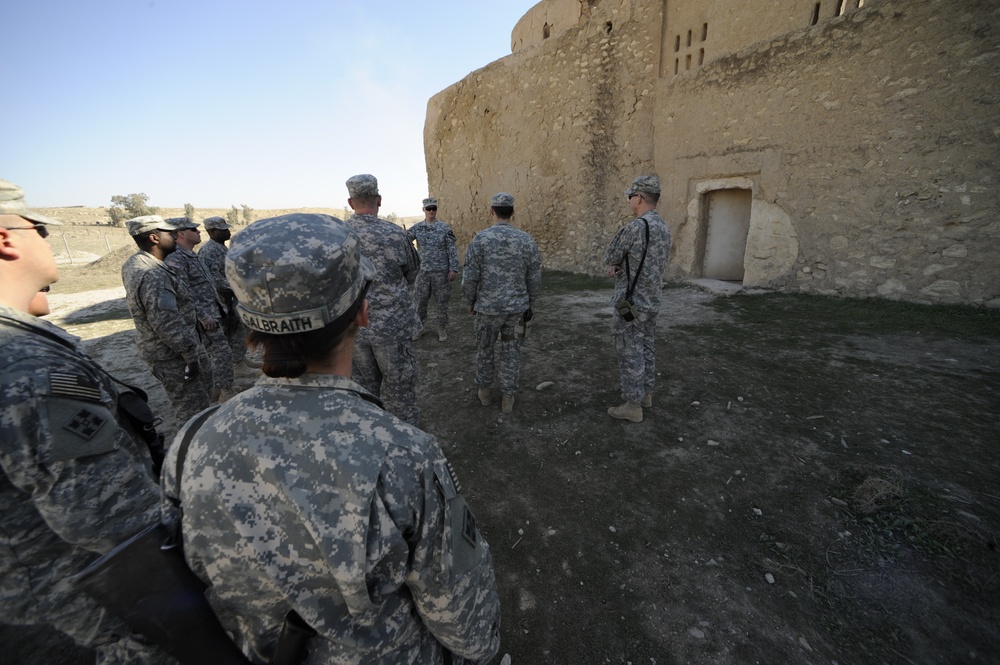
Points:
(74, 386)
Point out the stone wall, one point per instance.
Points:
(869, 141)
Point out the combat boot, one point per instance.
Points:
(647, 400)
(442, 334)
(628, 411)
(484, 396)
(507, 403)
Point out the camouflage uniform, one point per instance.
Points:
(166, 332)
(213, 255)
(383, 353)
(438, 257)
(207, 304)
(500, 279)
(304, 494)
(74, 484)
(635, 342)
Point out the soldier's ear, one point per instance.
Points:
(361, 318)
(8, 249)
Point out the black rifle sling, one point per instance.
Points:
(635, 280)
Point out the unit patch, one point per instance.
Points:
(84, 423)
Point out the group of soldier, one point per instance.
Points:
(313, 493)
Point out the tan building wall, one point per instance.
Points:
(866, 144)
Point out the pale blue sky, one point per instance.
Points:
(229, 102)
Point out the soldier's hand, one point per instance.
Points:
(191, 370)
(472, 310)
(210, 324)
(452, 275)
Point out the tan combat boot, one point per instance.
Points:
(628, 411)
(484, 396)
(507, 403)
(647, 400)
(442, 334)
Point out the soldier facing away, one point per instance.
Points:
(75, 481)
(303, 494)
(383, 356)
(502, 276)
(438, 266)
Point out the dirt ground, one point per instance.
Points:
(817, 481)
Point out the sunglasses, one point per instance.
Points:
(41, 228)
(431, 208)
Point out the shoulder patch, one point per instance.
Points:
(79, 429)
(74, 386)
(469, 531)
(168, 300)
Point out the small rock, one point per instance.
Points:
(697, 633)
(712, 562)
(713, 443)
(804, 644)
(696, 403)
(432, 364)
(769, 577)
(544, 385)
(612, 529)
(506, 660)
(520, 532)
(758, 512)
(739, 399)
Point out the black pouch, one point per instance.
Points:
(626, 310)
(146, 583)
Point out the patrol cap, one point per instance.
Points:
(182, 223)
(295, 273)
(147, 224)
(363, 186)
(12, 203)
(216, 223)
(649, 184)
(430, 202)
(502, 200)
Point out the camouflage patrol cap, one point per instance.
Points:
(502, 200)
(430, 202)
(363, 186)
(182, 223)
(12, 203)
(649, 184)
(295, 273)
(147, 224)
(216, 223)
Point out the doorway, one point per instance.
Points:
(728, 224)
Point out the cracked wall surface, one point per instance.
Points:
(869, 140)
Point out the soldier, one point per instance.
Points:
(207, 304)
(213, 255)
(166, 331)
(383, 357)
(438, 266)
(75, 482)
(501, 277)
(345, 514)
(637, 258)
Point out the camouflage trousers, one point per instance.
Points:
(186, 397)
(221, 355)
(635, 344)
(488, 328)
(389, 372)
(437, 282)
(236, 333)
